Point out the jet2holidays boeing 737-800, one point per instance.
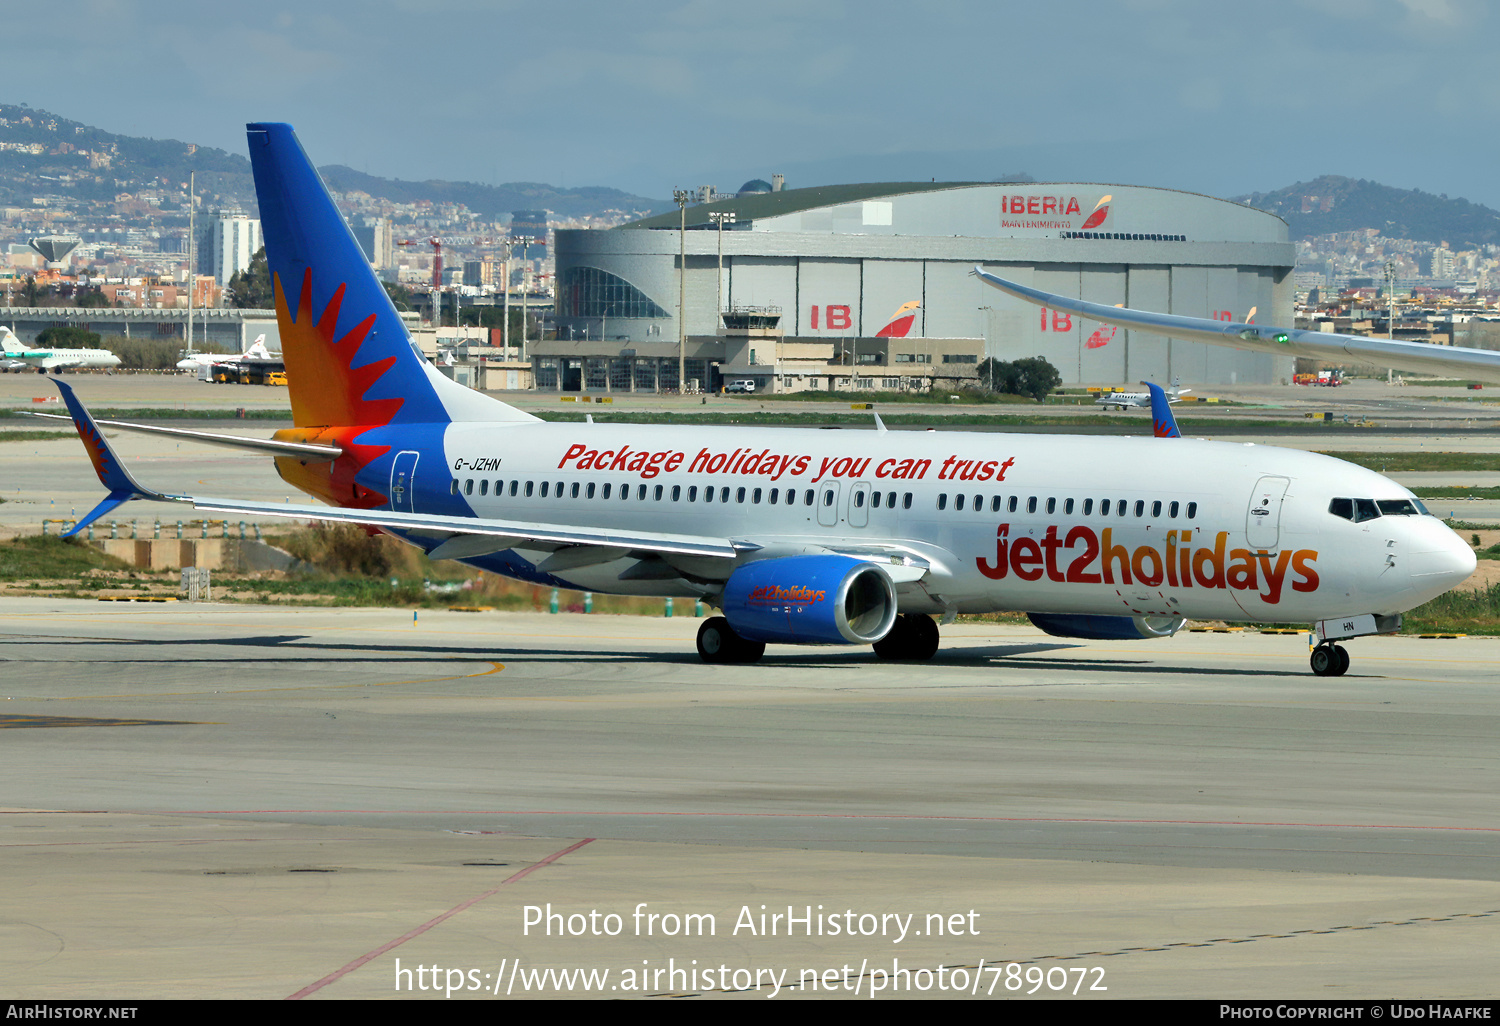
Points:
(799, 536)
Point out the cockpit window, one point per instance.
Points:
(1357, 510)
(1398, 507)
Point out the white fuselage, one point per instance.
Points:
(64, 359)
(1120, 526)
(1124, 399)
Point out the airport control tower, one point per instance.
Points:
(55, 249)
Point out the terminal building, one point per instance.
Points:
(870, 286)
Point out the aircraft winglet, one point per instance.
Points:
(112, 473)
(1163, 424)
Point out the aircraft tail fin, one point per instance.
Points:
(112, 473)
(349, 359)
(10, 342)
(1163, 424)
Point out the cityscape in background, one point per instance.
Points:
(99, 232)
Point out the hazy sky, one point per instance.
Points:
(1208, 96)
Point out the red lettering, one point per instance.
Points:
(1050, 544)
(1078, 569)
(1001, 565)
(574, 451)
(1062, 320)
(1114, 552)
(814, 311)
(1138, 564)
(838, 318)
(1025, 555)
(1302, 565)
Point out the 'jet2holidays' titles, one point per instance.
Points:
(1180, 565)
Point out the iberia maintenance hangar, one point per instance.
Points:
(869, 286)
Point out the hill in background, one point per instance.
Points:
(1333, 203)
(42, 153)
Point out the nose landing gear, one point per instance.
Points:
(1329, 660)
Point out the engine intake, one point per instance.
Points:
(811, 600)
(1107, 628)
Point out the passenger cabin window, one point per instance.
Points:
(942, 501)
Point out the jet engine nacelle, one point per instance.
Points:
(811, 600)
(1107, 628)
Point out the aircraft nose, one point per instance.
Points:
(1440, 558)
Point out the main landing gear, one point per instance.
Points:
(912, 637)
(1329, 660)
(718, 643)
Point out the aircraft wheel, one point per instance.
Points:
(899, 641)
(1341, 667)
(925, 635)
(1325, 660)
(718, 643)
(747, 651)
(714, 640)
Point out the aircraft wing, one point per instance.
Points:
(59, 362)
(461, 535)
(306, 451)
(508, 533)
(1417, 357)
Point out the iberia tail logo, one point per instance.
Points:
(1101, 211)
(901, 321)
